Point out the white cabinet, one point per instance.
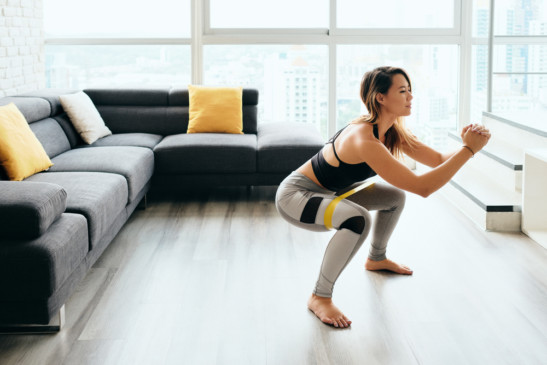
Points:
(534, 192)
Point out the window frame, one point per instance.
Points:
(333, 28)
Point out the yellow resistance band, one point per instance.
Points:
(332, 205)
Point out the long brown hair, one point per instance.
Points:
(378, 81)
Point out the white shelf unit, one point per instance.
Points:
(489, 189)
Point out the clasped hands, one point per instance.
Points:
(475, 136)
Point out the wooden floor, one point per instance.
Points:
(220, 278)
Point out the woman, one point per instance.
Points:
(367, 146)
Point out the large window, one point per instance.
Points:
(289, 56)
(86, 66)
(307, 63)
(131, 44)
(116, 19)
(519, 61)
(520, 77)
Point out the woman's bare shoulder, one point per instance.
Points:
(360, 135)
(357, 143)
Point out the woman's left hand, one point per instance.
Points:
(476, 128)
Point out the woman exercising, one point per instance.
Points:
(369, 145)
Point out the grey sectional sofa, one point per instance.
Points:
(55, 224)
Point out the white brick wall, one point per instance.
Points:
(22, 66)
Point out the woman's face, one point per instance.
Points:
(398, 98)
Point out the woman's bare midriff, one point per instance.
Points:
(307, 170)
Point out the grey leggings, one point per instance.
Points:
(302, 202)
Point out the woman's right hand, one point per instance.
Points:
(475, 138)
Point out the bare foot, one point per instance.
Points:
(389, 265)
(327, 312)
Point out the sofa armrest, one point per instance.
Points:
(27, 209)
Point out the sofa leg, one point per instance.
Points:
(37, 329)
(143, 203)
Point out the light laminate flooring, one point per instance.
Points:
(218, 277)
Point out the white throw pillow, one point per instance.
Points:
(84, 116)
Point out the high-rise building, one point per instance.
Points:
(293, 88)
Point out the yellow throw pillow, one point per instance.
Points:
(21, 153)
(215, 109)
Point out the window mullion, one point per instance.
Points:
(464, 107)
(199, 10)
(333, 76)
(490, 58)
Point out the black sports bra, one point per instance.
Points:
(336, 178)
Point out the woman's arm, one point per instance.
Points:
(394, 172)
(426, 155)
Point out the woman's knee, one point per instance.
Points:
(397, 196)
(355, 224)
(400, 196)
(359, 222)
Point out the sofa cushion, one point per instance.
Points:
(215, 110)
(21, 153)
(128, 139)
(72, 135)
(84, 116)
(136, 164)
(37, 268)
(206, 153)
(32, 108)
(27, 209)
(51, 136)
(100, 197)
(283, 147)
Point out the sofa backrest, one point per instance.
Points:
(37, 112)
(158, 111)
(51, 96)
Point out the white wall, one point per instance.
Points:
(22, 66)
